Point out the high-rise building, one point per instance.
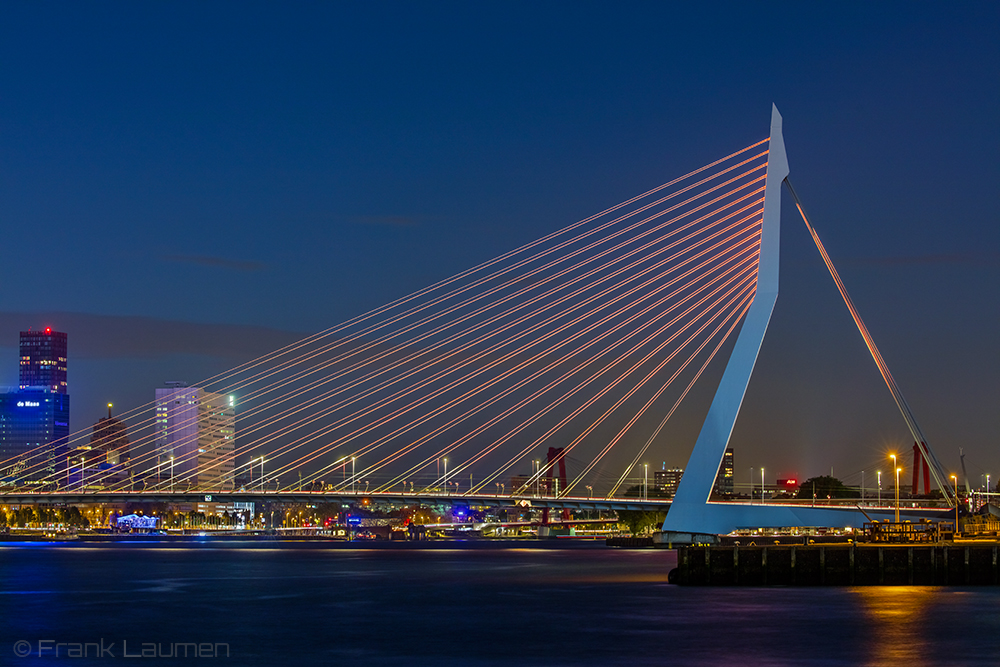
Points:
(34, 429)
(666, 480)
(196, 437)
(34, 419)
(110, 438)
(101, 463)
(724, 478)
(43, 360)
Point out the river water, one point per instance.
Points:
(478, 605)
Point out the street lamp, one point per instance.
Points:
(761, 486)
(645, 481)
(879, 487)
(954, 480)
(590, 491)
(352, 474)
(446, 490)
(898, 470)
(893, 457)
(171, 474)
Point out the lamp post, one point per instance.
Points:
(447, 491)
(761, 486)
(893, 457)
(879, 472)
(645, 481)
(898, 470)
(954, 480)
(590, 491)
(352, 474)
(171, 474)
(751, 486)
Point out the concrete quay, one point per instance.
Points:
(969, 564)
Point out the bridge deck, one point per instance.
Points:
(315, 497)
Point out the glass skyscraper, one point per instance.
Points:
(34, 420)
(43, 360)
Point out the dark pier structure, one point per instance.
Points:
(871, 564)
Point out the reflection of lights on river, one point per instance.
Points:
(898, 622)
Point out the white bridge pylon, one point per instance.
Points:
(692, 510)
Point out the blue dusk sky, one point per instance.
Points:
(187, 185)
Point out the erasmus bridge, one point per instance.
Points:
(546, 376)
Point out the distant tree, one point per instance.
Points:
(75, 518)
(825, 486)
(24, 516)
(640, 522)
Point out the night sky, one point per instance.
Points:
(185, 186)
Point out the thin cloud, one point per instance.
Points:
(94, 336)
(216, 262)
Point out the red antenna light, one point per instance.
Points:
(48, 330)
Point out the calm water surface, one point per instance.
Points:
(481, 606)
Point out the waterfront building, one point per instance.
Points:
(196, 437)
(666, 480)
(33, 421)
(724, 478)
(34, 417)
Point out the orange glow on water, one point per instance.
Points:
(898, 615)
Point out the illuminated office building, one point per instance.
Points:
(34, 428)
(724, 478)
(196, 437)
(43, 360)
(34, 418)
(666, 480)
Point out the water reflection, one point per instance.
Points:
(898, 617)
(575, 606)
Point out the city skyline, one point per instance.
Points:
(206, 224)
